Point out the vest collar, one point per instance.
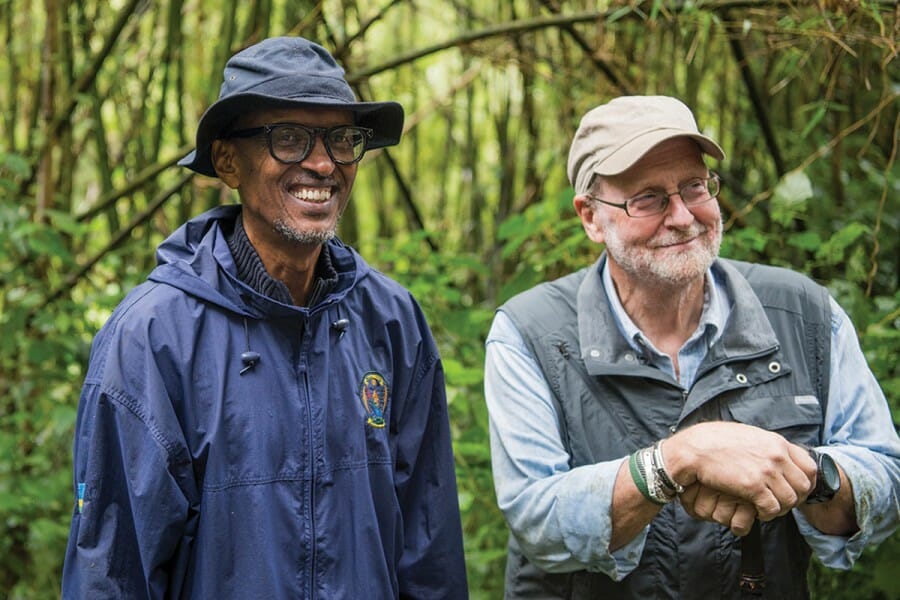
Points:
(748, 335)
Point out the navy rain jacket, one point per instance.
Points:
(324, 471)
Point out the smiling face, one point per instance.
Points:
(675, 247)
(286, 205)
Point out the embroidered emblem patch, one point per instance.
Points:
(374, 396)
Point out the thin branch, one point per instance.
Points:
(364, 27)
(762, 115)
(582, 43)
(502, 30)
(109, 199)
(72, 279)
(876, 246)
(82, 85)
(406, 194)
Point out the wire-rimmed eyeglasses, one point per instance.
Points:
(291, 143)
(695, 191)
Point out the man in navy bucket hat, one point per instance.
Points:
(266, 415)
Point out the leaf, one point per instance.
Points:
(459, 374)
(806, 240)
(789, 197)
(834, 250)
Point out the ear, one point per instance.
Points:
(590, 220)
(224, 160)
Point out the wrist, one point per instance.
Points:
(662, 473)
(652, 479)
(677, 458)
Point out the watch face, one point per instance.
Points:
(830, 473)
(828, 478)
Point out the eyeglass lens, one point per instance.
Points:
(293, 143)
(695, 191)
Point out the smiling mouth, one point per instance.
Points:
(678, 242)
(308, 194)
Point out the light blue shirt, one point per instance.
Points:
(562, 515)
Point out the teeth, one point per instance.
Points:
(312, 194)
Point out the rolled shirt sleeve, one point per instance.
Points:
(559, 515)
(859, 434)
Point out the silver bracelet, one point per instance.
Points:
(657, 490)
(659, 466)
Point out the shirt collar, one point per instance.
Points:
(712, 319)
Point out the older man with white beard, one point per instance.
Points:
(652, 410)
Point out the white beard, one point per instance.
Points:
(645, 263)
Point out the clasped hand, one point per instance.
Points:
(734, 473)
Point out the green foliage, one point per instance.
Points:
(438, 280)
(547, 241)
(874, 577)
(41, 373)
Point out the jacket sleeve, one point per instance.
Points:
(130, 518)
(432, 564)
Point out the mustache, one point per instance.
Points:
(679, 236)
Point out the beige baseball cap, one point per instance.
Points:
(613, 136)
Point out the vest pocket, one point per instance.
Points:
(797, 417)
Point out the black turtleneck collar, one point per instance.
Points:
(251, 270)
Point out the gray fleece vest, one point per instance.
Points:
(770, 368)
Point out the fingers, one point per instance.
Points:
(742, 519)
(688, 497)
(707, 504)
(784, 481)
(756, 466)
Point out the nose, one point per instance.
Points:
(318, 159)
(678, 215)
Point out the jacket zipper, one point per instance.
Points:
(311, 494)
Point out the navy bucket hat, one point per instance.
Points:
(286, 72)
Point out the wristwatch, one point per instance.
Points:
(828, 478)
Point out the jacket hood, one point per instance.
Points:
(196, 259)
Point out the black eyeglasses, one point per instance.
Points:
(694, 192)
(291, 143)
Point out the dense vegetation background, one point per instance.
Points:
(100, 97)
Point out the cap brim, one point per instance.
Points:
(633, 150)
(384, 118)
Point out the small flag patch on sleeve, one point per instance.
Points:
(81, 487)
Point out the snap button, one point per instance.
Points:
(595, 353)
(629, 357)
(741, 378)
(673, 429)
(774, 367)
